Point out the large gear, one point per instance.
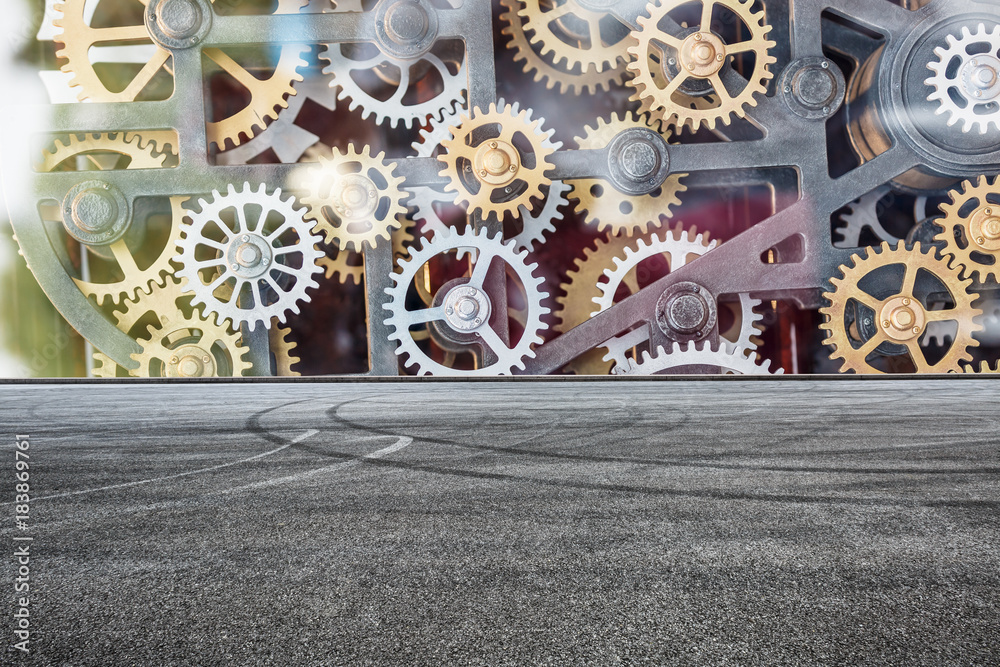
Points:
(354, 198)
(465, 308)
(695, 358)
(971, 229)
(871, 315)
(113, 151)
(608, 208)
(268, 94)
(696, 62)
(573, 37)
(575, 80)
(363, 74)
(966, 79)
(487, 171)
(249, 256)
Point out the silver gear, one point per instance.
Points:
(468, 303)
(393, 109)
(976, 81)
(244, 256)
(863, 214)
(288, 141)
(728, 358)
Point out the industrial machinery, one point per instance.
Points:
(466, 187)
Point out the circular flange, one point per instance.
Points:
(405, 29)
(638, 161)
(96, 213)
(356, 198)
(984, 229)
(702, 54)
(496, 163)
(249, 255)
(178, 24)
(190, 361)
(466, 308)
(686, 312)
(902, 319)
(813, 88)
(946, 150)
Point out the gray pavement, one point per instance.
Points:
(557, 523)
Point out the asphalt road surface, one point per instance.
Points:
(557, 523)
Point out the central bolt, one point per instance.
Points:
(496, 162)
(640, 160)
(467, 308)
(179, 18)
(354, 196)
(190, 367)
(407, 22)
(248, 255)
(703, 54)
(903, 318)
(94, 211)
(688, 313)
(985, 76)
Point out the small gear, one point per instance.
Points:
(534, 224)
(695, 62)
(394, 89)
(984, 368)
(248, 256)
(489, 164)
(566, 31)
(354, 198)
(695, 358)
(570, 79)
(348, 266)
(116, 151)
(971, 229)
(881, 307)
(966, 79)
(611, 210)
(861, 215)
(79, 39)
(464, 307)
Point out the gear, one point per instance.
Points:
(78, 39)
(248, 256)
(966, 79)
(696, 62)
(878, 308)
(570, 79)
(604, 205)
(488, 170)
(971, 229)
(284, 137)
(861, 215)
(984, 368)
(568, 32)
(348, 266)
(281, 350)
(693, 358)
(114, 151)
(355, 199)
(364, 75)
(465, 308)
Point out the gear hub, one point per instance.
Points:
(191, 361)
(686, 312)
(702, 54)
(178, 24)
(96, 213)
(466, 308)
(902, 319)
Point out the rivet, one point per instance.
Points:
(885, 323)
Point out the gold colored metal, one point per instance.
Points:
(902, 317)
(698, 56)
(575, 305)
(267, 95)
(281, 348)
(489, 173)
(354, 198)
(975, 236)
(573, 80)
(608, 208)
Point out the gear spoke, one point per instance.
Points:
(707, 8)
(493, 341)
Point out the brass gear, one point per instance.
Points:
(106, 152)
(984, 368)
(573, 80)
(566, 31)
(698, 55)
(575, 305)
(355, 199)
(485, 167)
(603, 204)
(971, 228)
(896, 318)
(166, 314)
(266, 95)
(281, 349)
(191, 347)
